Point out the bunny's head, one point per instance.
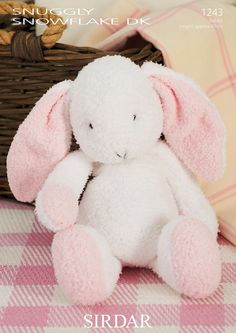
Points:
(115, 114)
(116, 111)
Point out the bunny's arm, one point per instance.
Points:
(57, 202)
(190, 199)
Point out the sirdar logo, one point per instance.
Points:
(116, 321)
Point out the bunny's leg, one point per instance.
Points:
(188, 257)
(84, 265)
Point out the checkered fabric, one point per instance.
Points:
(31, 301)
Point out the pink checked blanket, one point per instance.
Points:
(31, 301)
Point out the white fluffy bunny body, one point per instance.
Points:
(142, 205)
(130, 202)
(134, 194)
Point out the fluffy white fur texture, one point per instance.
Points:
(139, 185)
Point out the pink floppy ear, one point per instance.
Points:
(192, 125)
(41, 141)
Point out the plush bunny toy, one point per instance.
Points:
(142, 206)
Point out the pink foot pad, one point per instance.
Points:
(84, 266)
(60, 206)
(196, 259)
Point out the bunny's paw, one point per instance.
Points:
(85, 267)
(57, 207)
(189, 258)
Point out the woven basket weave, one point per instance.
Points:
(29, 65)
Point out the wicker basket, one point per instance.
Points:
(29, 65)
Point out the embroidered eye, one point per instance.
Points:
(90, 126)
(134, 117)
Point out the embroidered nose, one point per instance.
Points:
(124, 156)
